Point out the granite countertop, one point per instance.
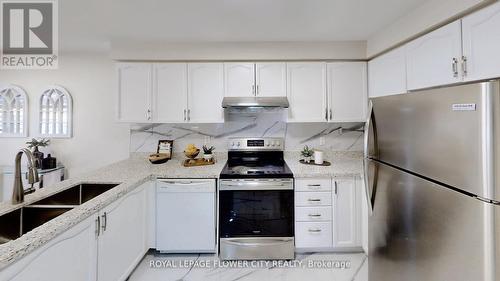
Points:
(344, 164)
(133, 172)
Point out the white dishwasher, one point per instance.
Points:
(185, 216)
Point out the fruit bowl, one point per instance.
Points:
(192, 154)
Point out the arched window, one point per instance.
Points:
(56, 109)
(13, 112)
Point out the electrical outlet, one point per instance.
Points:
(321, 140)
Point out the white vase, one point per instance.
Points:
(208, 157)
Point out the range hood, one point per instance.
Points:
(240, 102)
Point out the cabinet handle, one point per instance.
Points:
(314, 215)
(326, 114)
(253, 90)
(149, 114)
(316, 184)
(454, 67)
(331, 114)
(314, 200)
(335, 187)
(104, 221)
(257, 90)
(184, 114)
(464, 65)
(97, 226)
(189, 115)
(314, 230)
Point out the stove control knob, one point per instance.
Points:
(273, 144)
(238, 144)
(232, 144)
(268, 144)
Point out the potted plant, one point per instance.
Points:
(38, 155)
(307, 153)
(208, 153)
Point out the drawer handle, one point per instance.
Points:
(315, 215)
(314, 185)
(316, 230)
(314, 200)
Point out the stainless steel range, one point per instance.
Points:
(256, 207)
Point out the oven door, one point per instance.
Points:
(256, 208)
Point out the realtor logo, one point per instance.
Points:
(29, 34)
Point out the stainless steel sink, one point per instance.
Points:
(18, 222)
(75, 195)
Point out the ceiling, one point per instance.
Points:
(91, 23)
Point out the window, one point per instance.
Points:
(13, 112)
(56, 108)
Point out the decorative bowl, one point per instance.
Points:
(192, 155)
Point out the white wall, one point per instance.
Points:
(238, 50)
(97, 139)
(429, 15)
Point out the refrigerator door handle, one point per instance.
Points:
(370, 124)
(367, 189)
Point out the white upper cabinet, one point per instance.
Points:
(205, 92)
(170, 92)
(434, 59)
(481, 44)
(306, 91)
(134, 92)
(270, 79)
(347, 91)
(255, 79)
(387, 74)
(239, 79)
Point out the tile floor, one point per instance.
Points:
(315, 266)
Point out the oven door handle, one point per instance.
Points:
(255, 186)
(260, 243)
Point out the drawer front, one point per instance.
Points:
(313, 185)
(313, 199)
(313, 234)
(313, 213)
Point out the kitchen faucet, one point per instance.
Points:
(18, 192)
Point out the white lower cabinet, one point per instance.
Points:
(346, 214)
(105, 247)
(123, 236)
(69, 256)
(327, 215)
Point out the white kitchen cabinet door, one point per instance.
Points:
(347, 91)
(134, 92)
(69, 256)
(306, 91)
(270, 79)
(170, 92)
(205, 92)
(239, 79)
(346, 214)
(123, 235)
(387, 74)
(481, 43)
(433, 59)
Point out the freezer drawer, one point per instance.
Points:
(185, 216)
(424, 231)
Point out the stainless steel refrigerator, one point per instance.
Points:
(432, 162)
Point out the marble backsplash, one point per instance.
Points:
(260, 123)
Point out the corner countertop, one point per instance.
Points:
(133, 172)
